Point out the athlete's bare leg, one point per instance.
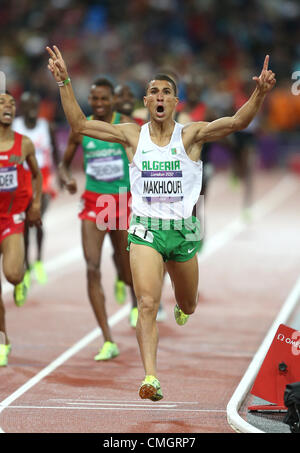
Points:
(2, 317)
(121, 256)
(13, 251)
(39, 229)
(119, 239)
(147, 271)
(185, 279)
(92, 242)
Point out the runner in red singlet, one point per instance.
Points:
(18, 201)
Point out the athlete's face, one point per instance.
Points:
(160, 100)
(7, 109)
(101, 102)
(30, 108)
(124, 100)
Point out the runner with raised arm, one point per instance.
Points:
(165, 182)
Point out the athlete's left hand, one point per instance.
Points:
(33, 215)
(266, 80)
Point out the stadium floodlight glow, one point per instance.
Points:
(2, 82)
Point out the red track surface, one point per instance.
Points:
(243, 283)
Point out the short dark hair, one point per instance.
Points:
(6, 92)
(164, 77)
(103, 82)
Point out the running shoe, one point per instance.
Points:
(150, 388)
(108, 351)
(180, 317)
(20, 294)
(4, 351)
(40, 273)
(161, 314)
(133, 317)
(120, 291)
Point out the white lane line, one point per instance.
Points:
(149, 408)
(63, 358)
(233, 417)
(287, 186)
(96, 401)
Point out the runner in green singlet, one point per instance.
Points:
(104, 204)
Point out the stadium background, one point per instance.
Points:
(220, 46)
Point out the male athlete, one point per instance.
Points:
(165, 185)
(104, 203)
(41, 132)
(18, 201)
(124, 102)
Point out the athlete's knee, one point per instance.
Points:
(190, 309)
(93, 270)
(147, 306)
(188, 306)
(14, 276)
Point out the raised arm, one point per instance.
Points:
(205, 132)
(75, 117)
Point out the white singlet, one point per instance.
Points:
(164, 182)
(40, 137)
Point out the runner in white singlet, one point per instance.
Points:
(151, 238)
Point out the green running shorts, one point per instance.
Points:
(175, 240)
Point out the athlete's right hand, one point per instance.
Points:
(71, 186)
(66, 180)
(56, 64)
(33, 214)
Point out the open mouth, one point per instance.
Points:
(7, 115)
(160, 110)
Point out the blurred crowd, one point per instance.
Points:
(212, 47)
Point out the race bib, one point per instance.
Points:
(8, 179)
(105, 168)
(141, 232)
(19, 218)
(162, 186)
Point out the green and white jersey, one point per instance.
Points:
(105, 164)
(165, 182)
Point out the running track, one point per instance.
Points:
(52, 383)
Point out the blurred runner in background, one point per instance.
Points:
(42, 134)
(20, 199)
(105, 204)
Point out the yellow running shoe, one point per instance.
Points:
(4, 351)
(108, 351)
(40, 273)
(20, 294)
(120, 291)
(133, 317)
(180, 317)
(150, 388)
